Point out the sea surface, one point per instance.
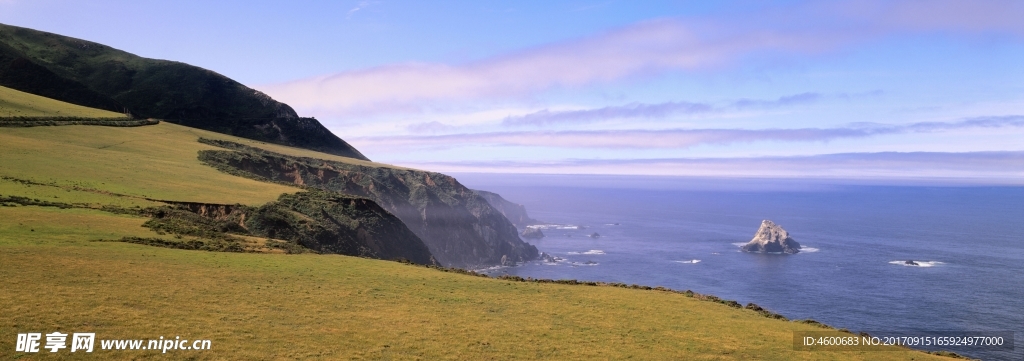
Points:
(684, 233)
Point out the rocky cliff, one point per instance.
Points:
(334, 223)
(516, 213)
(532, 233)
(324, 222)
(458, 226)
(772, 238)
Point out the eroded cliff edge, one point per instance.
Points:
(516, 213)
(324, 222)
(458, 226)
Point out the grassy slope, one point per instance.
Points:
(14, 103)
(157, 161)
(267, 306)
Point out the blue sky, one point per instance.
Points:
(851, 89)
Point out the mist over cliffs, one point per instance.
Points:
(516, 213)
(460, 228)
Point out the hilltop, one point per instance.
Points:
(95, 75)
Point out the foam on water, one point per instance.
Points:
(590, 252)
(808, 249)
(490, 269)
(692, 261)
(919, 263)
(555, 226)
(554, 262)
(740, 244)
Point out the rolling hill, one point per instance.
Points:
(95, 75)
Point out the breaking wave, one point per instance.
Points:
(808, 249)
(555, 226)
(490, 269)
(692, 261)
(590, 252)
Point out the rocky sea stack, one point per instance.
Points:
(772, 238)
(532, 233)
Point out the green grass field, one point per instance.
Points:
(14, 103)
(157, 161)
(54, 277)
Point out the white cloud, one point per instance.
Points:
(667, 138)
(972, 167)
(362, 5)
(644, 48)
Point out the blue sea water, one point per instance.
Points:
(683, 233)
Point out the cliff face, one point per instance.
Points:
(515, 213)
(333, 223)
(325, 222)
(458, 226)
(532, 233)
(95, 75)
(770, 237)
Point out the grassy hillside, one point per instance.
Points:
(95, 75)
(157, 162)
(55, 277)
(97, 164)
(14, 103)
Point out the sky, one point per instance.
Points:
(791, 89)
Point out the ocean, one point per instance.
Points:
(684, 233)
